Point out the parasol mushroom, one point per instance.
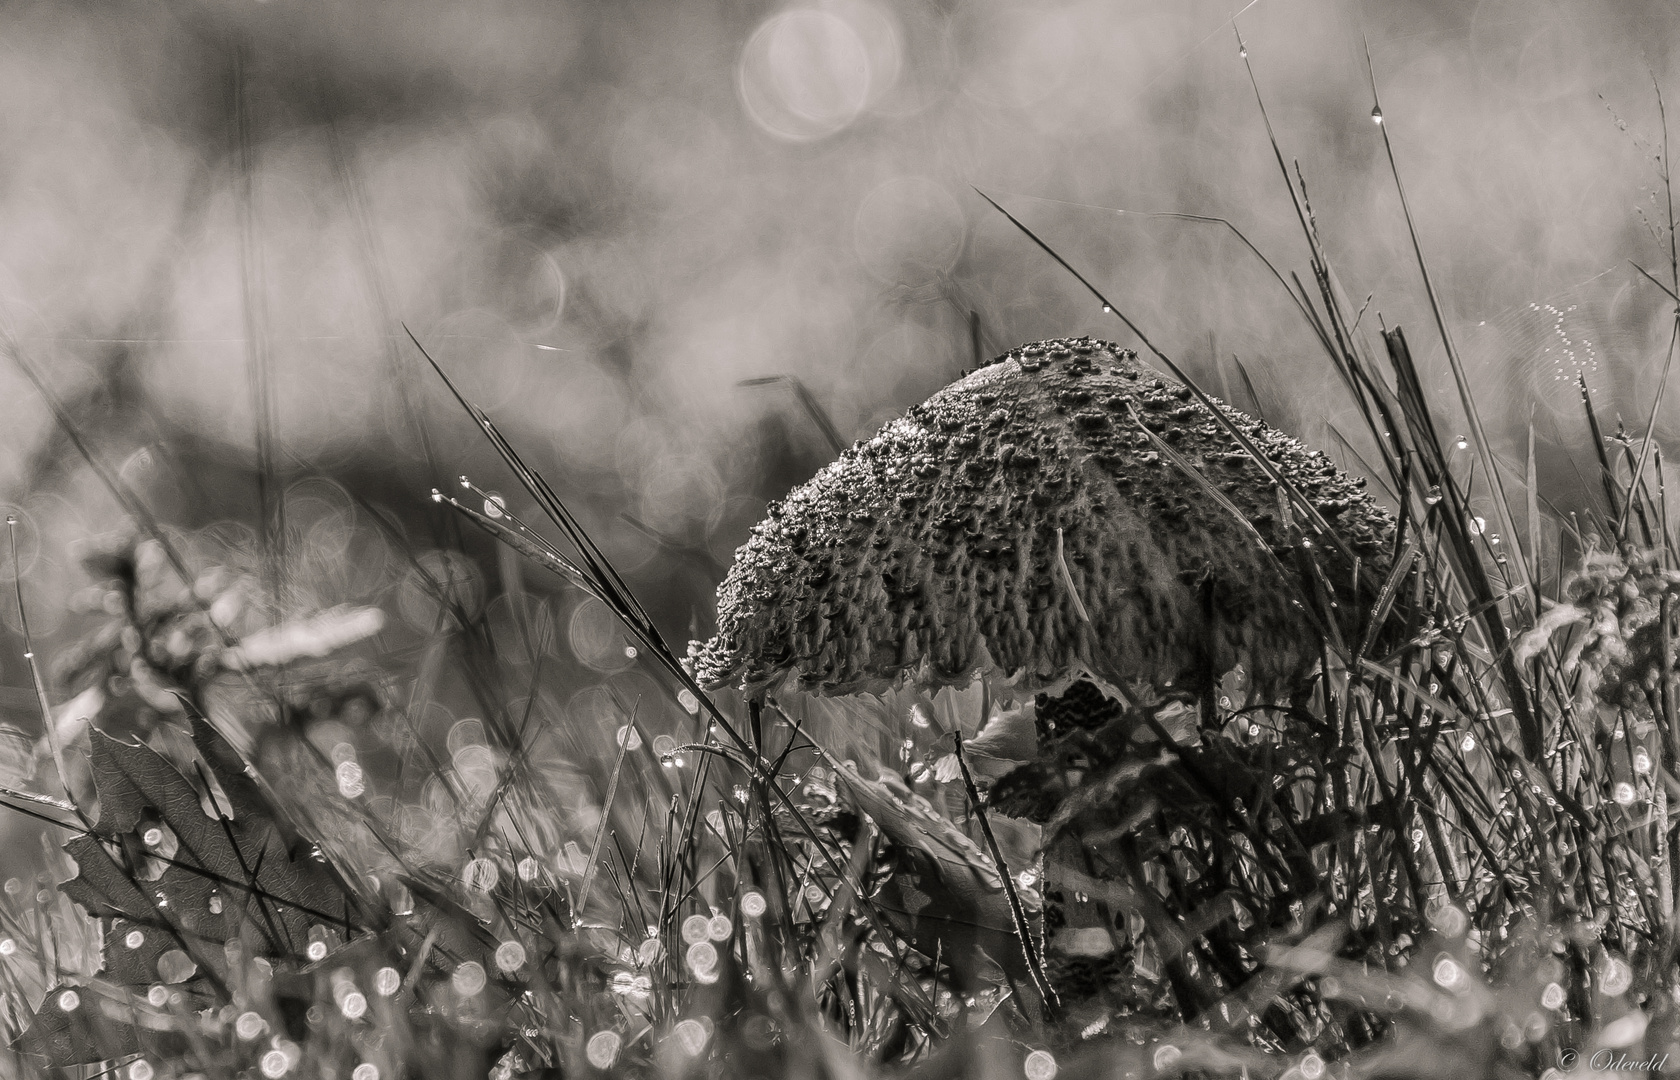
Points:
(1021, 523)
(1035, 528)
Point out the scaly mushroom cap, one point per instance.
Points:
(932, 549)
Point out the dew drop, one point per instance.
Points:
(176, 966)
(351, 785)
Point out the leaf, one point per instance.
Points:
(93, 1028)
(947, 897)
(242, 858)
(912, 823)
(175, 877)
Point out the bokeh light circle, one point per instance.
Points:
(909, 231)
(510, 956)
(597, 637)
(439, 582)
(691, 1036)
(804, 75)
(468, 979)
(702, 957)
(695, 929)
(602, 1049)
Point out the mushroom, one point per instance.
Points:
(1021, 523)
(1031, 529)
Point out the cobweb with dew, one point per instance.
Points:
(1541, 350)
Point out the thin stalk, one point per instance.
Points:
(40, 686)
(1016, 911)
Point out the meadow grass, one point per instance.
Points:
(1446, 852)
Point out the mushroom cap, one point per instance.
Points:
(945, 547)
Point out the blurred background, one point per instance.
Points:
(603, 218)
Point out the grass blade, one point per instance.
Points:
(606, 820)
(1461, 380)
(39, 684)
